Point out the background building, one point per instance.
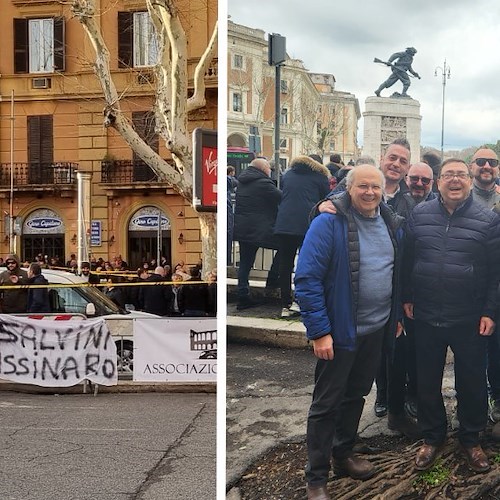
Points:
(51, 126)
(314, 117)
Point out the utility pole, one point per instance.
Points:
(445, 73)
(277, 56)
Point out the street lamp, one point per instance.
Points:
(445, 73)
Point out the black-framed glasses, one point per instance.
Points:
(481, 162)
(415, 178)
(447, 176)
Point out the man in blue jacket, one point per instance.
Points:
(346, 285)
(452, 254)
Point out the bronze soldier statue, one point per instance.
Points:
(400, 66)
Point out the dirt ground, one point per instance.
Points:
(279, 475)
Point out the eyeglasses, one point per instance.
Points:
(448, 176)
(425, 180)
(366, 187)
(481, 162)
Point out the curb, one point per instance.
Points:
(268, 332)
(123, 387)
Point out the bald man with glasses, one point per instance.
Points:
(484, 169)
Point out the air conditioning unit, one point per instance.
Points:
(41, 83)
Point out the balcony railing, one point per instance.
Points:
(126, 172)
(31, 174)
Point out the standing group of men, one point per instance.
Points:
(361, 264)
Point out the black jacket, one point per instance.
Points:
(304, 184)
(257, 200)
(451, 269)
(155, 299)
(38, 298)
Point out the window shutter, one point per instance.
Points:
(21, 55)
(40, 139)
(125, 39)
(59, 44)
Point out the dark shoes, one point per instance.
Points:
(426, 456)
(477, 459)
(317, 492)
(354, 467)
(247, 303)
(401, 423)
(380, 409)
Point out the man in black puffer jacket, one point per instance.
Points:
(257, 200)
(452, 255)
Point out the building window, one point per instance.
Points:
(39, 45)
(284, 86)
(237, 102)
(145, 43)
(284, 143)
(137, 42)
(284, 117)
(238, 61)
(332, 146)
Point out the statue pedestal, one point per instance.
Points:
(386, 119)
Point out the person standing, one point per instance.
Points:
(38, 298)
(304, 184)
(349, 262)
(257, 200)
(13, 301)
(451, 272)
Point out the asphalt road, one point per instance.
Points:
(110, 447)
(268, 395)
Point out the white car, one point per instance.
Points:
(92, 302)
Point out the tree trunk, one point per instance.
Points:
(208, 226)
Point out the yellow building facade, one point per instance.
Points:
(51, 128)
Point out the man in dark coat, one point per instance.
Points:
(155, 299)
(13, 301)
(38, 298)
(452, 251)
(257, 200)
(304, 184)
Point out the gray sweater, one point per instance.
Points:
(375, 273)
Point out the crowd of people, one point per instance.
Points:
(400, 262)
(179, 292)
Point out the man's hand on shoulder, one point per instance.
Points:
(323, 347)
(327, 207)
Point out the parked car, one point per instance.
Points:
(91, 302)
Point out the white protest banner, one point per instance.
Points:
(54, 353)
(175, 350)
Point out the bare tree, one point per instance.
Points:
(172, 104)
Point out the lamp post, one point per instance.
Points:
(445, 73)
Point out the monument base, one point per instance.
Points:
(389, 118)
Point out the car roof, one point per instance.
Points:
(61, 277)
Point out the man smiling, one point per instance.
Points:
(346, 285)
(450, 289)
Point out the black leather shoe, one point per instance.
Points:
(477, 459)
(402, 424)
(317, 492)
(380, 409)
(354, 467)
(426, 456)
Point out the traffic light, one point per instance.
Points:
(277, 49)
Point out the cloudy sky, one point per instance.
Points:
(343, 37)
